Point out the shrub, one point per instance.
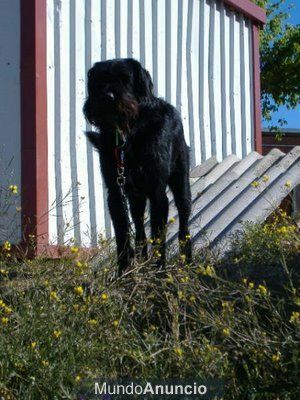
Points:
(66, 322)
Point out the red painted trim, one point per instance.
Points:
(256, 90)
(56, 251)
(22, 251)
(34, 121)
(249, 9)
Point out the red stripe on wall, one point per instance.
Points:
(256, 90)
(249, 9)
(34, 147)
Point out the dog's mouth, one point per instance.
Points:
(118, 112)
(129, 108)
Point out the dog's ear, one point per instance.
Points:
(142, 79)
(94, 138)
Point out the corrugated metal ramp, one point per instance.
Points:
(234, 191)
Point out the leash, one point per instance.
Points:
(121, 179)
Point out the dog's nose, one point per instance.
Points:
(110, 95)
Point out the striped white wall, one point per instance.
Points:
(199, 55)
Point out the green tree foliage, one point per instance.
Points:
(280, 59)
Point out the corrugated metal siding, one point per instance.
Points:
(199, 55)
(224, 198)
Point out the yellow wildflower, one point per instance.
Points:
(251, 285)
(283, 229)
(77, 378)
(45, 363)
(188, 236)
(4, 320)
(295, 317)
(178, 351)
(180, 295)
(7, 246)
(2, 304)
(74, 250)
(297, 301)
(152, 328)
(226, 332)
(276, 357)
(57, 334)
(150, 241)
(76, 307)
(157, 253)
(185, 279)
(92, 322)
(200, 269)
(171, 220)
(248, 299)
(116, 323)
(255, 184)
(78, 264)
(158, 241)
(192, 299)
(206, 271)
(183, 257)
(288, 184)
(78, 290)
(262, 290)
(265, 178)
(33, 345)
(210, 271)
(104, 296)
(53, 296)
(227, 306)
(13, 189)
(8, 310)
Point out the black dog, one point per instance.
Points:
(143, 134)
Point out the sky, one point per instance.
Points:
(291, 116)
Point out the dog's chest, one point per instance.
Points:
(137, 171)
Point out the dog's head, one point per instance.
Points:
(115, 89)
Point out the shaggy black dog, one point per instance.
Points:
(143, 134)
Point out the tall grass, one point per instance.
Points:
(66, 322)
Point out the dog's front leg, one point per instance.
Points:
(121, 227)
(137, 207)
(159, 208)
